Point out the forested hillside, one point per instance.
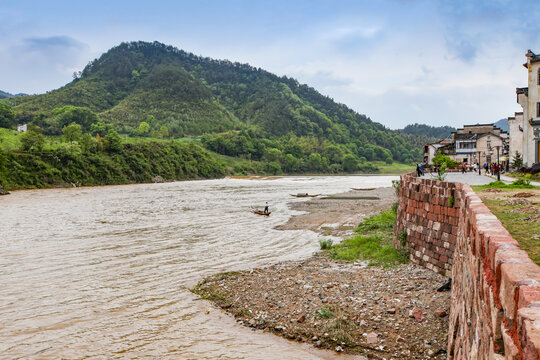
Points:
(151, 90)
(433, 132)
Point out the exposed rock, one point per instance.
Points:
(526, 210)
(441, 313)
(157, 179)
(2, 191)
(517, 202)
(417, 314)
(523, 195)
(372, 338)
(492, 190)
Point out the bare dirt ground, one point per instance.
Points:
(371, 312)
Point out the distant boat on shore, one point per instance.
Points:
(304, 195)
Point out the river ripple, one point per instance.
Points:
(104, 272)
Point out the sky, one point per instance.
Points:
(435, 62)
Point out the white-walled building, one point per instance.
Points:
(22, 128)
(525, 127)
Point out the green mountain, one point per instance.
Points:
(191, 95)
(428, 131)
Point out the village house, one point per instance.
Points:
(525, 126)
(473, 144)
(22, 128)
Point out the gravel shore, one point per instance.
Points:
(375, 313)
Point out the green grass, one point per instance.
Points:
(373, 242)
(382, 222)
(394, 168)
(502, 185)
(526, 233)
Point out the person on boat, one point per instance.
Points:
(266, 211)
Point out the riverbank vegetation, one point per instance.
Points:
(372, 242)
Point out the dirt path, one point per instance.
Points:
(371, 312)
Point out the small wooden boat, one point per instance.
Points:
(260, 212)
(364, 189)
(304, 195)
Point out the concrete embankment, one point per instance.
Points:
(495, 303)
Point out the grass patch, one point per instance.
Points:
(326, 244)
(527, 233)
(373, 242)
(394, 168)
(324, 313)
(502, 185)
(382, 222)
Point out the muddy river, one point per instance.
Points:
(104, 272)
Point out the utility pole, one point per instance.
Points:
(498, 164)
(479, 165)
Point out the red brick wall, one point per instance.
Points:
(430, 220)
(495, 304)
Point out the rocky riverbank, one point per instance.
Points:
(375, 313)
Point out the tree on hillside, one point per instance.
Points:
(32, 141)
(73, 114)
(72, 132)
(350, 163)
(144, 128)
(113, 142)
(7, 116)
(100, 128)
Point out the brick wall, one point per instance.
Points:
(495, 304)
(428, 210)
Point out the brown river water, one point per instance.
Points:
(105, 272)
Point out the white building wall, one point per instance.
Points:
(516, 135)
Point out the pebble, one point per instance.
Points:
(339, 349)
(441, 313)
(372, 338)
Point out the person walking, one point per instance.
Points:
(266, 211)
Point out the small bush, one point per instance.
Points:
(451, 201)
(326, 244)
(324, 313)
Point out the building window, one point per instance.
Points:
(538, 109)
(489, 144)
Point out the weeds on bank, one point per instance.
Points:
(372, 241)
